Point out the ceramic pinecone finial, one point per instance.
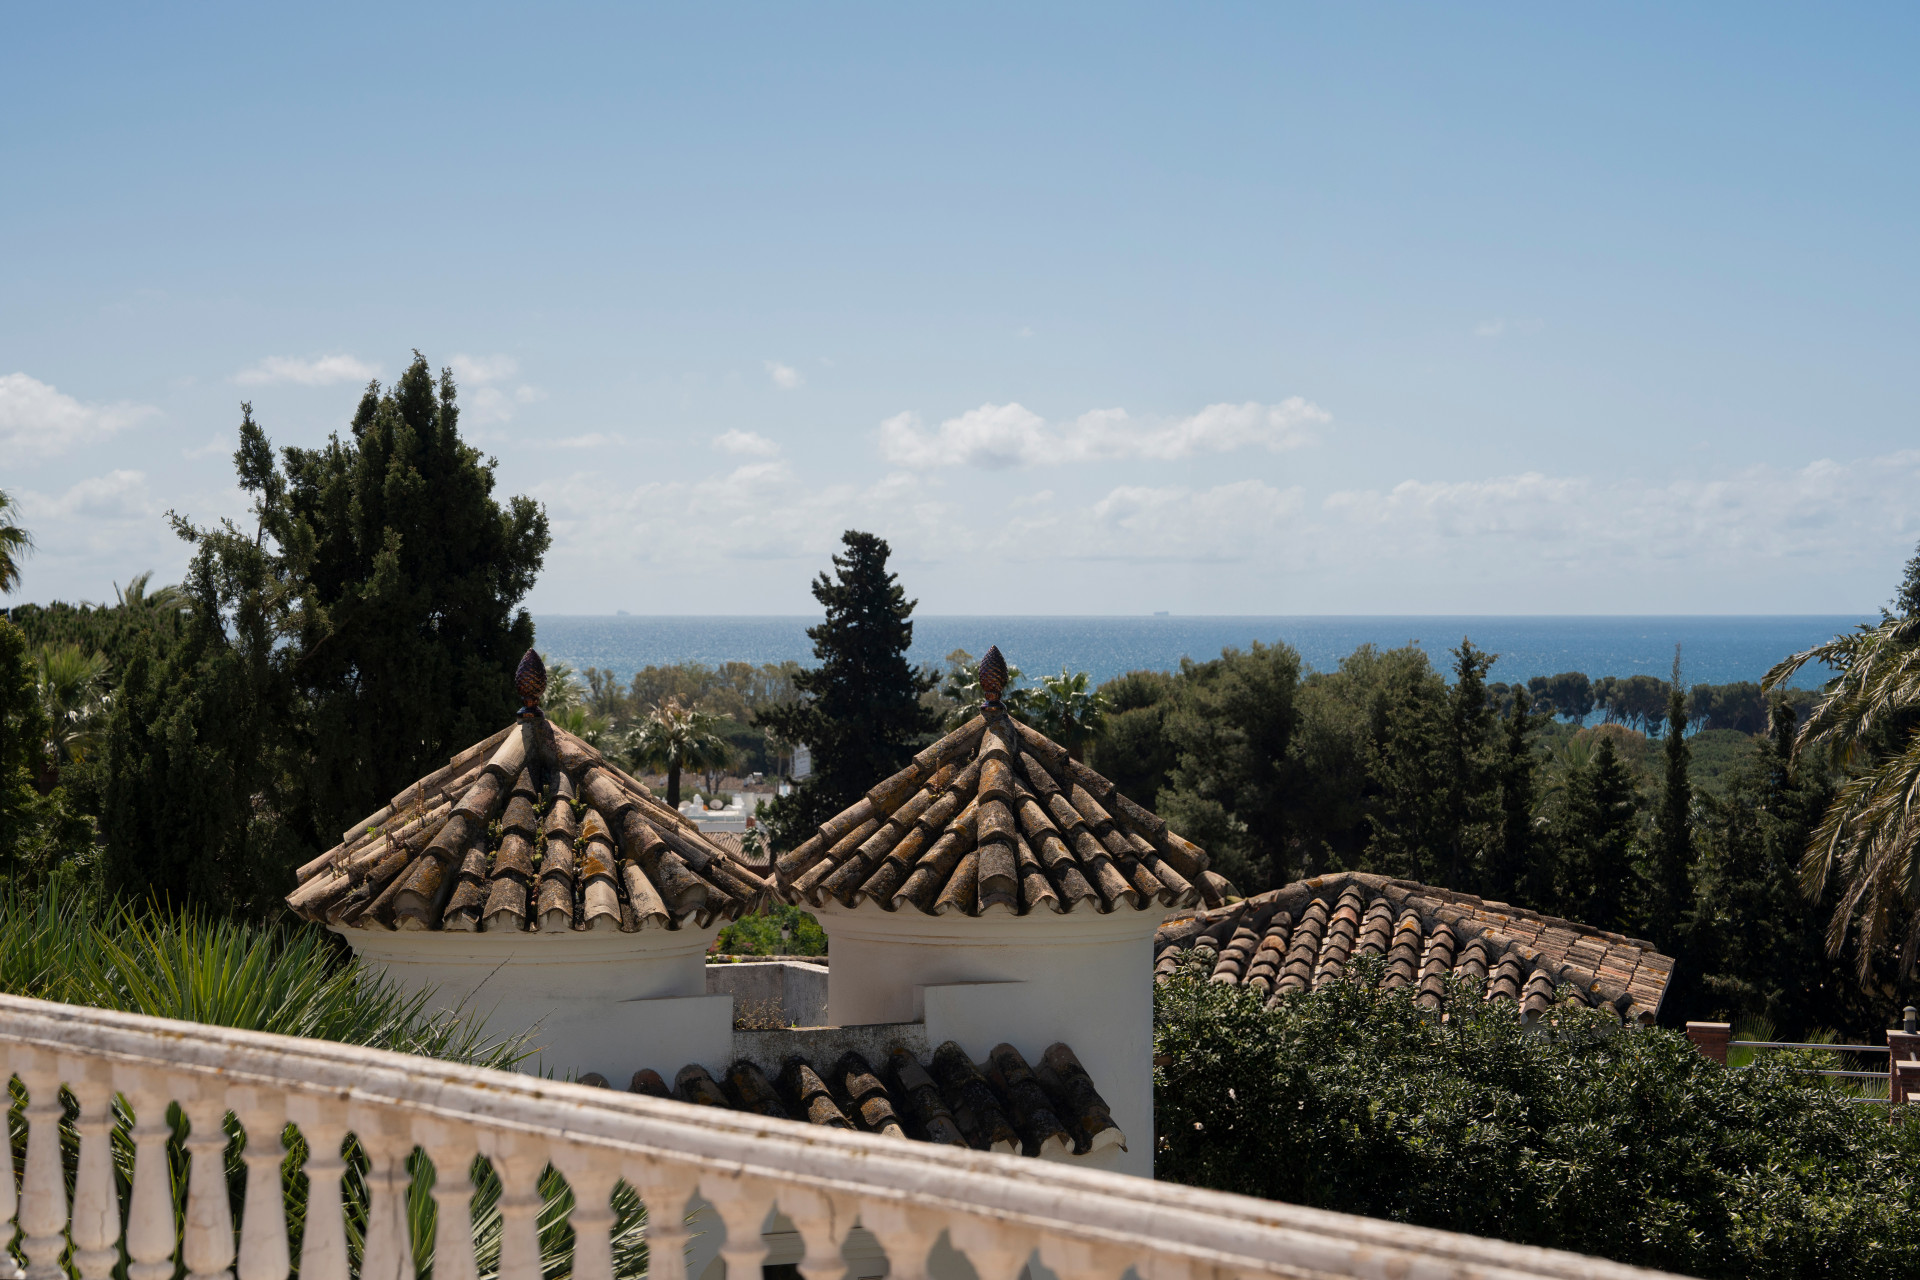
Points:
(993, 676)
(530, 682)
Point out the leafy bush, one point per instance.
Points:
(1575, 1134)
(58, 944)
(759, 935)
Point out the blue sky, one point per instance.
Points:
(1263, 309)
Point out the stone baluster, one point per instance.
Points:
(150, 1238)
(665, 1190)
(96, 1202)
(996, 1250)
(388, 1250)
(264, 1252)
(519, 1161)
(823, 1225)
(43, 1192)
(743, 1205)
(451, 1148)
(206, 1244)
(591, 1173)
(1071, 1259)
(1163, 1266)
(9, 1194)
(323, 1242)
(907, 1234)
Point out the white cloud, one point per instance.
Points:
(784, 376)
(757, 511)
(1489, 328)
(1823, 510)
(592, 440)
(483, 369)
(319, 371)
(483, 396)
(995, 437)
(750, 443)
(1141, 524)
(118, 495)
(217, 443)
(37, 421)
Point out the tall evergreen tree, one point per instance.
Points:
(1594, 830)
(1232, 788)
(1513, 873)
(862, 715)
(1906, 601)
(1436, 779)
(1667, 872)
(364, 629)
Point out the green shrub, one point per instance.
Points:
(1576, 1134)
(57, 944)
(759, 934)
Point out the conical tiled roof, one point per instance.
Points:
(532, 829)
(1309, 933)
(997, 818)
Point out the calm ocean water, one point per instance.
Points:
(1714, 650)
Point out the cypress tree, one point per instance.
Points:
(1513, 873)
(1669, 864)
(861, 715)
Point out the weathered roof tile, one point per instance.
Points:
(1313, 929)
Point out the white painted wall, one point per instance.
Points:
(596, 1001)
(1083, 978)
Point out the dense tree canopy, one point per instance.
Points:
(1574, 1135)
(862, 715)
(367, 627)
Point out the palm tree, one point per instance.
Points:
(135, 598)
(673, 737)
(15, 543)
(69, 683)
(962, 690)
(1869, 719)
(581, 723)
(1067, 710)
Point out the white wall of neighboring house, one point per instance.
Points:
(802, 762)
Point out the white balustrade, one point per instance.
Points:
(1007, 1215)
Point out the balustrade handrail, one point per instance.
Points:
(997, 1209)
(1789, 1044)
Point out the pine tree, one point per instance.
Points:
(862, 715)
(1594, 830)
(1906, 601)
(363, 630)
(1436, 813)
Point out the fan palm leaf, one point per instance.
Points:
(15, 543)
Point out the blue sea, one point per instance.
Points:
(1713, 650)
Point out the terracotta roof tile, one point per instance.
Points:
(1050, 1108)
(1308, 933)
(996, 818)
(530, 830)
